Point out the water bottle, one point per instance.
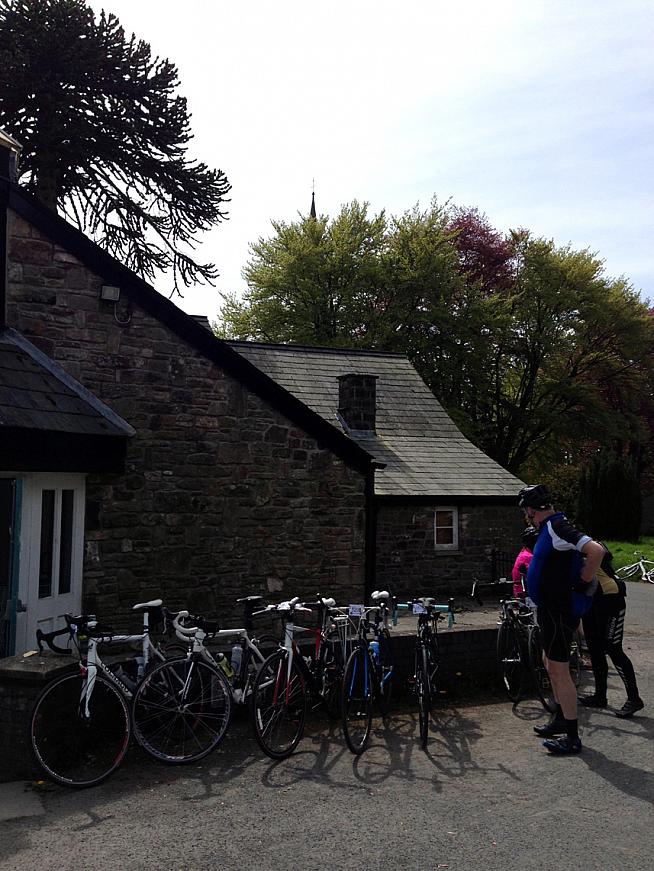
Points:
(237, 653)
(374, 650)
(223, 663)
(140, 667)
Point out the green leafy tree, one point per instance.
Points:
(533, 350)
(569, 341)
(315, 282)
(105, 136)
(609, 497)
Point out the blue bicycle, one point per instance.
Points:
(368, 672)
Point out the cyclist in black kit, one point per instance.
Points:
(563, 559)
(603, 629)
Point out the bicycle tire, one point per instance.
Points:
(267, 645)
(423, 692)
(625, 572)
(541, 680)
(386, 668)
(331, 664)
(181, 710)
(72, 750)
(279, 704)
(511, 660)
(356, 706)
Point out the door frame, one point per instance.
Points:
(31, 610)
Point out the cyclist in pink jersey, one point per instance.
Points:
(521, 564)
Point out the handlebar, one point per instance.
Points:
(48, 638)
(477, 585)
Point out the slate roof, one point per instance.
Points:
(35, 393)
(425, 454)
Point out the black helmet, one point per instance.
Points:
(528, 537)
(537, 496)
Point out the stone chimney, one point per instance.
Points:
(357, 401)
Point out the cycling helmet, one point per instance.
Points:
(528, 537)
(537, 496)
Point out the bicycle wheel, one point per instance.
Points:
(356, 701)
(423, 693)
(541, 679)
(510, 660)
(386, 666)
(279, 704)
(331, 675)
(73, 749)
(627, 571)
(181, 710)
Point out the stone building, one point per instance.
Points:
(441, 508)
(140, 456)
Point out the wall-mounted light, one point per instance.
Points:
(110, 293)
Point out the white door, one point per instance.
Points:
(51, 554)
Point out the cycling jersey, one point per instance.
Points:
(556, 563)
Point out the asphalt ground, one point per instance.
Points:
(484, 795)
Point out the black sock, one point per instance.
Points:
(557, 716)
(571, 729)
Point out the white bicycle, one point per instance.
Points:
(643, 570)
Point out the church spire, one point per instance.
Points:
(312, 212)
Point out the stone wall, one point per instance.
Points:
(408, 563)
(222, 496)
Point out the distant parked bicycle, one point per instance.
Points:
(427, 656)
(642, 570)
(368, 671)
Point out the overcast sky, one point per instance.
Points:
(536, 112)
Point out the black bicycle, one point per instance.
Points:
(427, 656)
(520, 650)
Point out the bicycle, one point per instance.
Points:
(644, 566)
(176, 718)
(286, 680)
(520, 650)
(81, 723)
(427, 655)
(368, 672)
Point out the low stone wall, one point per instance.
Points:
(467, 669)
(21, 681)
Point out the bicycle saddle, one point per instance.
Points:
(380, 596)
(148, 606)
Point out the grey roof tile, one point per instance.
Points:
(425, 453)
(35, 393)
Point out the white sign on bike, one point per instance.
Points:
(418, 608)
(355, 610)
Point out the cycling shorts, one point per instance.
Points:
(556, 630)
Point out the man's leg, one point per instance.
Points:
(565, 691)
(556, 658)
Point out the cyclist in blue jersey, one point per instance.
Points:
(564, 559)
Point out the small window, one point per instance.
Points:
(446, 529)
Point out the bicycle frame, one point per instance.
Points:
(196, 636)
(93, 662)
